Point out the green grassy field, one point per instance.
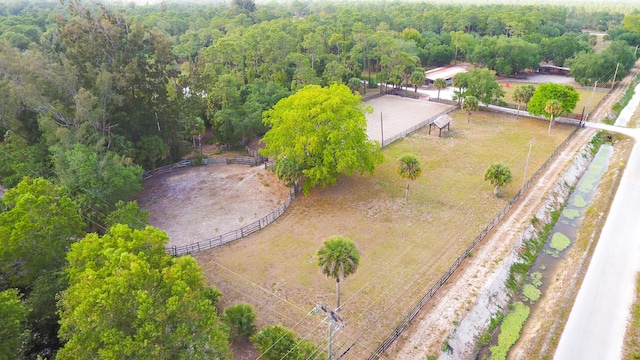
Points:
(404, 248)
(585, 95)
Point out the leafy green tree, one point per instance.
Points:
(554, 108)
(440, 55)
(128, 214)
(276, 342)
(36, 231)
(96, 179)
(355, 84)
(619, 52)
(482, 84)
(564, 94)
(589, 67)
(338, 258)
(506, 55)
(124, 68)
(631, 22)
(498, 175)
(19, 159)
(13, 317)
(469, 104)
(241, 319)
(127, 298)
(522, 94)
(462, 44)
(323, 132)
(559, 49)
(440, 84)
(408, 168)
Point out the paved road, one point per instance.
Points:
(596, 326)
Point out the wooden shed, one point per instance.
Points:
(442, 121)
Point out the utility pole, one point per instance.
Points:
(614, 76)
(586, 115)
(333, 320)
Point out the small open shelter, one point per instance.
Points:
(441, 122)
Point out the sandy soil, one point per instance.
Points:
(221, 198)
(432, 327)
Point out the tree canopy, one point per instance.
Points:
(322, 130)
(565, 94)
(127, 298)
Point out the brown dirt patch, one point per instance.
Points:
(196, 203)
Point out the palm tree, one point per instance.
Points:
(241, 320)
(439, 84)
(470, 104)
(408, 168)
(417, 79)
(553, 108)
(499, 175)
(522, 94)
(355, 84)
(338, 258)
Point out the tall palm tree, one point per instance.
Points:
(522, 94)
(439, 84)
(417, 79)
(338, 258)
(498, 175)
(553, 108)
(408, 168)
(470, 104)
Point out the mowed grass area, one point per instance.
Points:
(585, 95)
(405, 248)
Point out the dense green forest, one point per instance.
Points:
(94, 94)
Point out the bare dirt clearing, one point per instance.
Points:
(196, 203)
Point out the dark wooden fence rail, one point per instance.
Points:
(377, 354)
(232, 235)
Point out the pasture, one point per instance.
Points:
(585, 95)
(404, 248)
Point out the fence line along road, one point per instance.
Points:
(377, 354)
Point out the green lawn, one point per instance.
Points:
(404, 248)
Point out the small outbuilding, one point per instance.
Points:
(553, 70)
(442, 121)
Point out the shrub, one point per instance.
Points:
(241, 319)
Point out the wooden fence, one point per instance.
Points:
(377, 354)
(253, 160)
(232, 235)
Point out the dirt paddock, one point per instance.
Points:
(399, 114)
(196, 203)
